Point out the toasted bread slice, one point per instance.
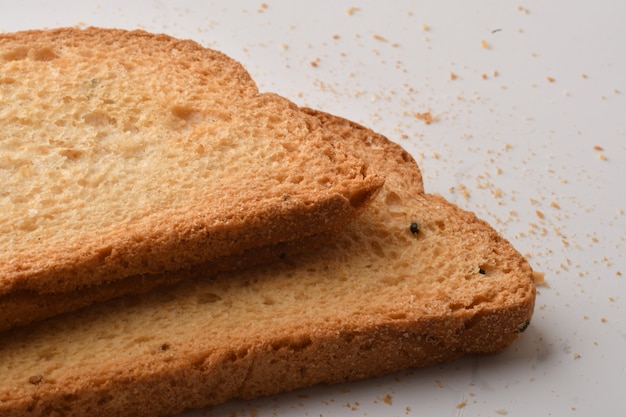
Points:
(20, 308)
(413, 281)
(126, 153)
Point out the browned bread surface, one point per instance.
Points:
(126, 153)
(411, 282)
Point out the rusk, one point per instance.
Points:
(127, 153)
(411, 282)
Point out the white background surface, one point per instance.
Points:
(543, 161)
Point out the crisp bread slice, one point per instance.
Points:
(411, 282)
(125, 153)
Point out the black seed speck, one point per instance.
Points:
(482, 271)
(415, 228)
(523, 326)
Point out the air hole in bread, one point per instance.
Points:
(17, 54)
(377, 249)
(98, 119)
(295, 343)
(207, 298)
(42, 54)
(185, 113)
(394, 202)
(71, 154)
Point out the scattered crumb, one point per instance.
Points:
(387, 399)
(540, 279)
(425, 27)
(540, 214)
(336, 37)
(352, 10)
(585, 76)
(603, 319)
(380, 38)
(577, 356)
(598, 148)
(427, 117)
(550, 79)
(462, 404)
(453, 76)
(502, 412)
(315, 62)
(484, 76)
(485, 44)
(602, 157)
(522, 9)
(496, 73)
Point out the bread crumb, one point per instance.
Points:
(485, 44)
(380, 38)
(522, 9)
(539, 214)
(603, 319)
(352, 10)
(315, 62)
(495, 73)
(555, 205)
(584, 76)
(453, 76)
(425, 27)
(462, 404)
(550, 79)
(427, 117)
(502, 412)
(387, 399)
(598, 148)
(484, 76)
(602, 157)
(540, 279)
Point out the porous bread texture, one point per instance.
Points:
(380, 299)
(20, 308)
(125, 153)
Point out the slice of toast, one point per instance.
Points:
(127, 153)
(20, 308)
(411, 282)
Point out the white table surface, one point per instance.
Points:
(529, 133)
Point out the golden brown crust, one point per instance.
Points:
(385, 296)
(160, 156)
